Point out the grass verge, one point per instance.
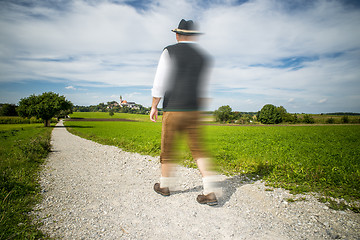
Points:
(136, 117)
(23, 148)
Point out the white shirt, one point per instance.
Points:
(162, 75)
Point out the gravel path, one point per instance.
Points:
(93, 191)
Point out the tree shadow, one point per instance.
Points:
(229, 187)
(74, 126)
(54, 151)
(231, 184)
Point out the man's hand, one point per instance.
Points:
(154, 110)
(154, 114)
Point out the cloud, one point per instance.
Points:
(268, 51)
(324, 100)
(70, 87)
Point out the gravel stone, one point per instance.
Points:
(94, 191)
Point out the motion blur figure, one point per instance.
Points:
(180, 79)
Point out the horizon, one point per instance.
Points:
(207, 110)
(303, 54)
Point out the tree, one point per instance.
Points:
(223, 114)
(8, 110)
(269, 115)
(283, 113)
(44, 106)
(125, 110)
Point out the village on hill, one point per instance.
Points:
(123, 103)
(122, 106)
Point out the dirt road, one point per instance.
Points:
(93, 191)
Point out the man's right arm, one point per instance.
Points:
(160, 83)
(154, 110)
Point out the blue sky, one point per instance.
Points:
(301, 54)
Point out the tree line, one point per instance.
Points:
(269, 114)
(49, 105)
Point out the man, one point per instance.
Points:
(178, 80)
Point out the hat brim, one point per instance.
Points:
(186, 32)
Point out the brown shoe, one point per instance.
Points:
(209, 199)
(163, 191)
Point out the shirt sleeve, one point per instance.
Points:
(162, 75)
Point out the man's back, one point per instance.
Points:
(189, 64)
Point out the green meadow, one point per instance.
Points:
(23, 148)
(310, 158)
(135, 117)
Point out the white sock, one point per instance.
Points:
(167, 182)
(210, 184)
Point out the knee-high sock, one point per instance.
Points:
(167, 182)
(210, 184)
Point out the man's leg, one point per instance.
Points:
(203, 162)
(205, 167)
(166, 155)
(167, 169)
(209, 176)
(168, 132)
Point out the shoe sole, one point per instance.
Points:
(211, 203)
(162, 194)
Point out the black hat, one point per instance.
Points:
(186, 28)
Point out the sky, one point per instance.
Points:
(300, 54)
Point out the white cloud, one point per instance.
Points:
(108, 44)
(70, 87)
(324, 100)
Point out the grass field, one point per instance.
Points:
(23, 148)
(136, 117)
(301, 158)
(318, 118)
(307, 158)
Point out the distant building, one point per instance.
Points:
(124, 103)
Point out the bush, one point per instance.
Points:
(8, 110)
(330, 120)
(244, 119)
(290, 118)
(345, 119)
(308, 119)
(20, 120)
